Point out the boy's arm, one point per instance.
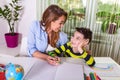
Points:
(59, 50)
(55, 52)
(52, 53)
(88, 58)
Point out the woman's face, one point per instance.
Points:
(76, 39)
(56, 25)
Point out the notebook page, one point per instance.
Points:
(69, 71)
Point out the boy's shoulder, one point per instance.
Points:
(68, 43)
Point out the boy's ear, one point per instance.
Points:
(86, 41)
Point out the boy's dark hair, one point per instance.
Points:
(86, 32)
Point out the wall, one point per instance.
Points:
(28, 16)
(3, 25)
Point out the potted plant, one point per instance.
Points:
(11, 13)
(111, 23)
(110, 20)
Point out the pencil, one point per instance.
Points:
(95, 76)
(84, 76)
(88, 78)
(98, 77)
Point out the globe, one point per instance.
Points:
(14, 72)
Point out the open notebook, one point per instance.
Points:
(68, 71)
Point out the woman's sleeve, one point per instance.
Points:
(63, 39)
(31, 39)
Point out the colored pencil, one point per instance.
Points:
(84, 76)
(92, 76)
(88, 78)
(96, 78)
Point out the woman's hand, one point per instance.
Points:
(58, 60)
(53, 60)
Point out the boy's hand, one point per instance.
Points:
(80, 48)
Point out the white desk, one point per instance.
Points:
(36, 69)
(107, 60)
(44, 71)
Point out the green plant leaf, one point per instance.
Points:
(105, 25)
(11, 13)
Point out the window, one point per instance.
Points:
(76, 14)
(106, 8)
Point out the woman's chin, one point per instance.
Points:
(56, 30)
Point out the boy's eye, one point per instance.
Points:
(77, 38)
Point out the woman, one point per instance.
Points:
(46, 33)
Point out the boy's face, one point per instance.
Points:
(78, 39)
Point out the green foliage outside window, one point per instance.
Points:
(109, 14)
(72, 6)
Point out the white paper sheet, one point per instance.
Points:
(69, 71)
(41, 71)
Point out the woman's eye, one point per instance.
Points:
(61, 23)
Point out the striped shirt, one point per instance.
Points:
(66, 51)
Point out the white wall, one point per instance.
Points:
(3, 25)
(28, 16)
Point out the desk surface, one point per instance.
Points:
(36, 69)
(40, 71)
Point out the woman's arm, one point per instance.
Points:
(49, 59)
(40, 55)
(37, 39)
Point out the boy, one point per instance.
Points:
(76, 48)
